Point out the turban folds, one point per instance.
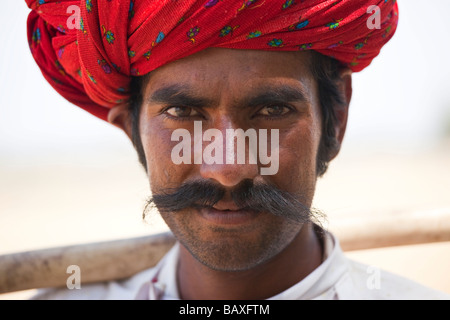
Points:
(88, 50)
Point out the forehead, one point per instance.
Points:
(236, 71)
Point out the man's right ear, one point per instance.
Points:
(120, 117)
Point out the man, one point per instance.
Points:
(188, 81)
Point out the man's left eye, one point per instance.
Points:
(181, 112)
(274, 111)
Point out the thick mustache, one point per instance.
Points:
(247, 196)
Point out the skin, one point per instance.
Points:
(267, 254)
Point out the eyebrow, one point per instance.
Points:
(275, 94)
(178, 95)
(183, 95)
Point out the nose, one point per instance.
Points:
(239, 159)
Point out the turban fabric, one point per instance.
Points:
(88, 50)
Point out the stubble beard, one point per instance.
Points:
(231, 250)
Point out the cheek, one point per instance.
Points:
(298, 158)
(162, 171)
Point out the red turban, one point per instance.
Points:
(91, 65)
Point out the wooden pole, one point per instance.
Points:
(396, 229)
(100, 261)
(113, 260)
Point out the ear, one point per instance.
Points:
(119, 116)
(341, 111)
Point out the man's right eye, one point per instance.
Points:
(181, 112)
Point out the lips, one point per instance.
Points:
(228, 217)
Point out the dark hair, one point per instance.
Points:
(326, 72)
(134, 109)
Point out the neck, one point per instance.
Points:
(199, 282)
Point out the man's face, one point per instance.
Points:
(233, 89)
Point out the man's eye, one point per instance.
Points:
(181, 112)
(274, 111)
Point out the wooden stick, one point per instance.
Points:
(114, 260)
(100, 261)
(396, 229)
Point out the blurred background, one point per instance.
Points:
(69, 178)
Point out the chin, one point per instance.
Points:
(237, 253)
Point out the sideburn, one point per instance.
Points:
(136, 100)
